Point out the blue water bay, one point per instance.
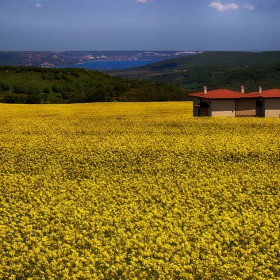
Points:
(109, 64)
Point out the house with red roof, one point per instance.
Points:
(268, 101)
(229, 103)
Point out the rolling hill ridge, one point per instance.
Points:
(215, 69)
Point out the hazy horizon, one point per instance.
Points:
(141, 50)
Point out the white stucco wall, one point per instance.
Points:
(223, 108)
(272, 108)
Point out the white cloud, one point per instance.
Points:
(223, 7)
(38, 5)
(249, 7)
(144, 1)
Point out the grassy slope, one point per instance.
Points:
(27, 78)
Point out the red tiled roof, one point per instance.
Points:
(270, 93)
(221, 94)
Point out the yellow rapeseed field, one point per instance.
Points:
(137, 191)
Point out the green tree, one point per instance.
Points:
(19, 89)
(33, 90)
(4, 86)
(33, 99)
(46, 90)
(13, 99)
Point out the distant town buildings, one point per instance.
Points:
(60, 58)
(47, 65)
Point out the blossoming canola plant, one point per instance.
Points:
(137, 191)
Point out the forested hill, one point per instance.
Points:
(214, 69)
(52, 85)
(214, 59)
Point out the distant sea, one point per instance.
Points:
(109, 64)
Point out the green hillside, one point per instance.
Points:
(42, 85)
(214, 69)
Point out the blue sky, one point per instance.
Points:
(34, 25)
